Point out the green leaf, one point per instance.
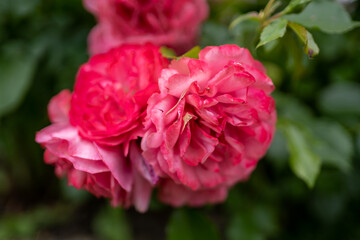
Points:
(21, 8)
(341, 99)
(191, 225)
(16, 72)
(358, 142)
(244, 17)
(311, 48)
(303, 161)
(294, 5)
(246, 35)
(192, 53)
(249, 219)
(327, 16)
(167, 52)
(214, 33)
(334, 144)
(254, 223)
(276, 29)
(291, 108)
(111, 224)
(278, 153)
(306, 38)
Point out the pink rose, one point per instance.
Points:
(111, 92)
(211, 123)
(93, 136)
(173, 23)
(101, 170)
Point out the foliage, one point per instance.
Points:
(307, 186)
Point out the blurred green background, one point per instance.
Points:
(307, 186)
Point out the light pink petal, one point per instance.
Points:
(233, 82)
(88, 166)
(172, 134)
(218, 57)
(143, 167)
(118, 166)
(59, 106)
(83, 149)
(141, 193)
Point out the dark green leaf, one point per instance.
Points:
(241, 229)
(327, 16)
(27, 224)
(278, 153)
(214, 33)
(111, 224)
(341, 98)
(191, 225)
(303, 161)
(334, 144)
(306, 38)
(246, 34)
(292, 108)
(21, 8)
(16, 72)
(276, 29)
(249, 220)
(358, 142)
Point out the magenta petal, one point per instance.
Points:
(200, 148)
(209, 178)
(172, 134)
(262, 81)
(194, 153)
(188, 176)
(184, 140)
(227, 98)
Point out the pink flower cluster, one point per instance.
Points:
(191, 128)
(172, 23)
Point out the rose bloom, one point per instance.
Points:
(93, 136)
(173, 23)
(209, 125)
(111, 92)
